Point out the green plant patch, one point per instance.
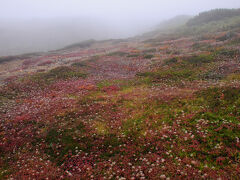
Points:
(234, 77)
(79, 64)
(63, 138)
(152, 50)
(228, 52)
(217, 98)
(171, 61)
(118, 53)
(133, 127)
(58, 73)
(212, 75)
(172, 75)
(4, 172)
(199, 59)
(148, 56)
(133, 55)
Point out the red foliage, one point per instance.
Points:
(111, 88)
(45, 63)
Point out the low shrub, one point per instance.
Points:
(117, 53)
(227, 52)
(148, 56)
(172, 75)
(62, 72)
(133, 55)
(199, 59)
(171, 61)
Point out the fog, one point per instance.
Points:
(42, 25)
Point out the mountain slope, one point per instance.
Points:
(207, 22)
(124, 109)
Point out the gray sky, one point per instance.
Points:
(36, 25)
(110, 10)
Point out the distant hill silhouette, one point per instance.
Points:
(213, 15)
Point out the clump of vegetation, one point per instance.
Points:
(83, 44)
(65, 139)
(93, 59)
(79, 64)
(235, 41)
(133, 127)
(234, 77)
(63, 72)
(148, 56)
(201, 46)
(181, 68)
(152, 50)
(228, 52)
(133, 55)
(213, 15)
(58, 73)
(45, 63)
(199, 59)
(13, 58)
(220, 98)
(118, 53)
(169, 75)
(171, 61)
(227, 36)
(7, 59)
(212, 75)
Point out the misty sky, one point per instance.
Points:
(36, 25)
(109, 10)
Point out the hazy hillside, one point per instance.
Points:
(41, 35)
(174, 23)
(22, 36)
(207, 22)
(163, 109)
(213, 15)
(168, 26)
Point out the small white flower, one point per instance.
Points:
(163, 176)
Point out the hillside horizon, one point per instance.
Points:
(34, 36)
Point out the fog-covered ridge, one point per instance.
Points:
(21, 36)
(27, 26)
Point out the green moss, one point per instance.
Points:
(235, 41)
(104, 83)
(133, 127)
(228, 52)
(93, 59)
(234, 77)
(220, 99)
(101, 128)
(58, 73)
(68, 116)
(173, 75)
(81, 127)
(199, 59)
(171, 61)
(79, 64)
(148, 56)
(4, 172)
(212, 75)
(110, 146)
(65, 139)
(52, 136)
(152, 50)
(133, 55)
(202, 46)
(118, 53)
